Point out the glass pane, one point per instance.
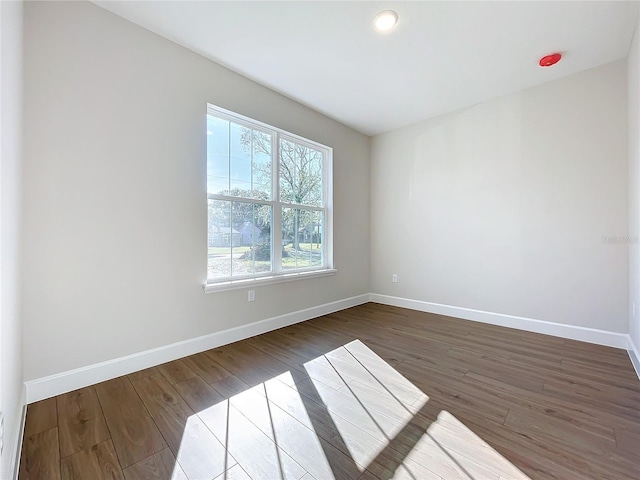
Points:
(261, 165)
(238, 160)
(300, 174)
(288, 227)
(219, 257)
(251, 238)
(217, 155)
(241, 140)
(314, 233)
(301, 238)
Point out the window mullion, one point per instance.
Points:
(229, 198)
(230, 227)
(252, 153)
(327, 203)
(301, 206)
(229, 162)
(276, 228)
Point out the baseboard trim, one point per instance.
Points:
(57, 384)
(17, 443)
(583, 334)
(634, 355)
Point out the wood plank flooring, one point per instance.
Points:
(370, 393)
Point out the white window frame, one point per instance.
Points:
(278, 275)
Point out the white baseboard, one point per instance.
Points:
(634, 355)
(17, 442)
(583, 334)
(57, 384)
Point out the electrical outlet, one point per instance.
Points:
(394, 278)
(252, 295)
(633, 309)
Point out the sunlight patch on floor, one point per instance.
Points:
(200, 455)
(461, 443)
(351, 413)
(253, 448)
(369, 402)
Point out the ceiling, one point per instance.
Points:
(441, 56)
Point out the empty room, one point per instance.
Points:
(315, 240)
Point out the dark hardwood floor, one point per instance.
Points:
(373, 392)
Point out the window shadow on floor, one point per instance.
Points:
(345, 413)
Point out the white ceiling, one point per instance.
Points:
(441, 56)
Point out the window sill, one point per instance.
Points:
(261, 281)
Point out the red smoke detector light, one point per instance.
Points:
(549, 60)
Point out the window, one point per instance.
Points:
(269, 203)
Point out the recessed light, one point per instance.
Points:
(385, 20)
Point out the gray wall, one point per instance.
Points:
(633, 84)
(11, 386)
(115, 221)
(502, 207)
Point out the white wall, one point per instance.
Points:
(502, 207)
(115, 194)
(11, 387)
(633, 84)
